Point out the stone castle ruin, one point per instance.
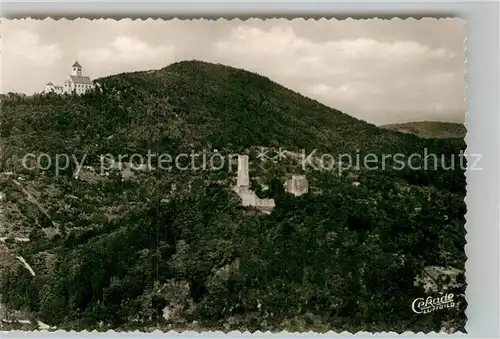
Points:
(243, 179)
(297, 186)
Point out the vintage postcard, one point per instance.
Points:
(229, 175)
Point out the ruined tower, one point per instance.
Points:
(242, 188)
(297, 185)
(243, 179)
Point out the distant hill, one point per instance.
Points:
(430, 129)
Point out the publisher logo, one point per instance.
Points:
(430, 304)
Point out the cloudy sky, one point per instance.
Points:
(382, 71)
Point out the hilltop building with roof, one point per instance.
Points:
(76, 82)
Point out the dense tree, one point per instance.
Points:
(342, 257)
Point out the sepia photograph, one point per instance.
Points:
(230, 175)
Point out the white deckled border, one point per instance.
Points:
(482, 123)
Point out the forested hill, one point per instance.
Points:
(430, 129)
(193, 104)
(177, 250)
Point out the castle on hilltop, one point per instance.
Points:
(76, 82)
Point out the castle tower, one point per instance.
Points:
(243, 177)
(76, 69)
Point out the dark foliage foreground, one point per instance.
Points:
(137, 255)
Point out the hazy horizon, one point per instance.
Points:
(380, 71)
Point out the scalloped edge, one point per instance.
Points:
(305, 18)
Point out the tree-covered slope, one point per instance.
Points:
(175, 249)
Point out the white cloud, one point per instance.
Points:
(399, 51)
(344, 92)
(358, 74)
(22, 55)
(97, 54)
(445, 78)
(22, 45)
(127, 51)
(282, 42)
